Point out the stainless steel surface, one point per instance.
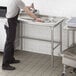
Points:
(73, 33)
(50, 22)
(68, 33)
(21, 28)
(39, 39)
(61, 37)
(67, 38)
(70, 47)
(52, 47)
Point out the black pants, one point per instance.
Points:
(10, 39)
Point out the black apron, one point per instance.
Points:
(10, 39)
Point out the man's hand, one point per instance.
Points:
(32, 15)
(39, 20)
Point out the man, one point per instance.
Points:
(13, 8)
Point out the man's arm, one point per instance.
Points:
(26, 9)
(21, 5)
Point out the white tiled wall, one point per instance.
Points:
(51, 7)
(55, 7)
(3, 2)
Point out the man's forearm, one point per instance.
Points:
(30, 13)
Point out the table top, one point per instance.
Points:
(69, 28)
(49, 21)
(70, 53)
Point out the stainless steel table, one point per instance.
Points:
(51, 22)
(69, 47)
(73, 29)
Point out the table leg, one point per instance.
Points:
(68, 38)
(61, 38)
(21, 27)
(73, 41)
(52, 47)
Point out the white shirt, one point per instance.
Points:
(13, 8)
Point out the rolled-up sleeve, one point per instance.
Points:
(20, 4)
